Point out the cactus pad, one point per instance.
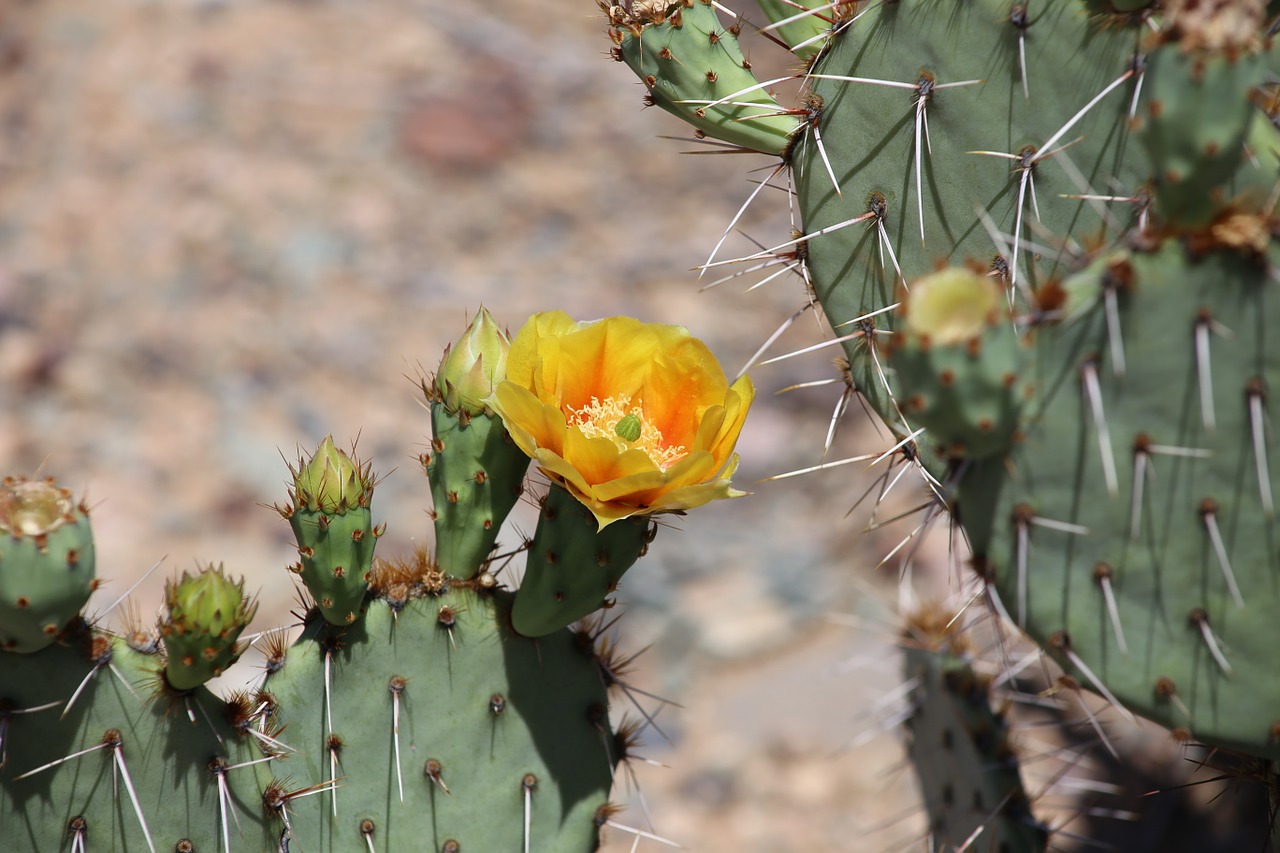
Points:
(46, 562)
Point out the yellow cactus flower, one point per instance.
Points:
(632, 418)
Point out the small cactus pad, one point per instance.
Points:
(46, 562)
(477, 475)
(207, 613)
(571, 568)
(959, 353)
(333, 525)
(694, 68)
(440, 723)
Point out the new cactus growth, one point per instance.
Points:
(332, 522)
(476, 472)
(207, 613)
(1101, 430)
(957, 350)
(46, 562)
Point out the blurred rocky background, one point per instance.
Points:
(229, 228)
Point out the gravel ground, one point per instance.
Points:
(229, 228)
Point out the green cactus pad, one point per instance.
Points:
(571, 568)
(968, 771)
(164, 745)
(484, 717)
(46, 562)
(477, 475)
(688, 61)
(958, 352)
(1170, 507)
(335, 555)
(207, 613)
(904, 180)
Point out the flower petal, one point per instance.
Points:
(557, 367)
(532, 424)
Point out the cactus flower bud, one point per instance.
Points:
(332, 481)
(472, 368)
(207, 612)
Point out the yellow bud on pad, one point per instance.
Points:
(951, 306)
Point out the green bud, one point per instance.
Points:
(332, 481)
(207, 613)
(472, 368)
(628, 428)
(208, 602)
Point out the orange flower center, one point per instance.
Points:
(616, 419)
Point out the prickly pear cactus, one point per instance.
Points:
(1103, 435)
(417, 710)
(408, 715)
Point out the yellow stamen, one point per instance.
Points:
(600, 419)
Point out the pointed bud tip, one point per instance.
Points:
(331, 481)
(473, 367)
